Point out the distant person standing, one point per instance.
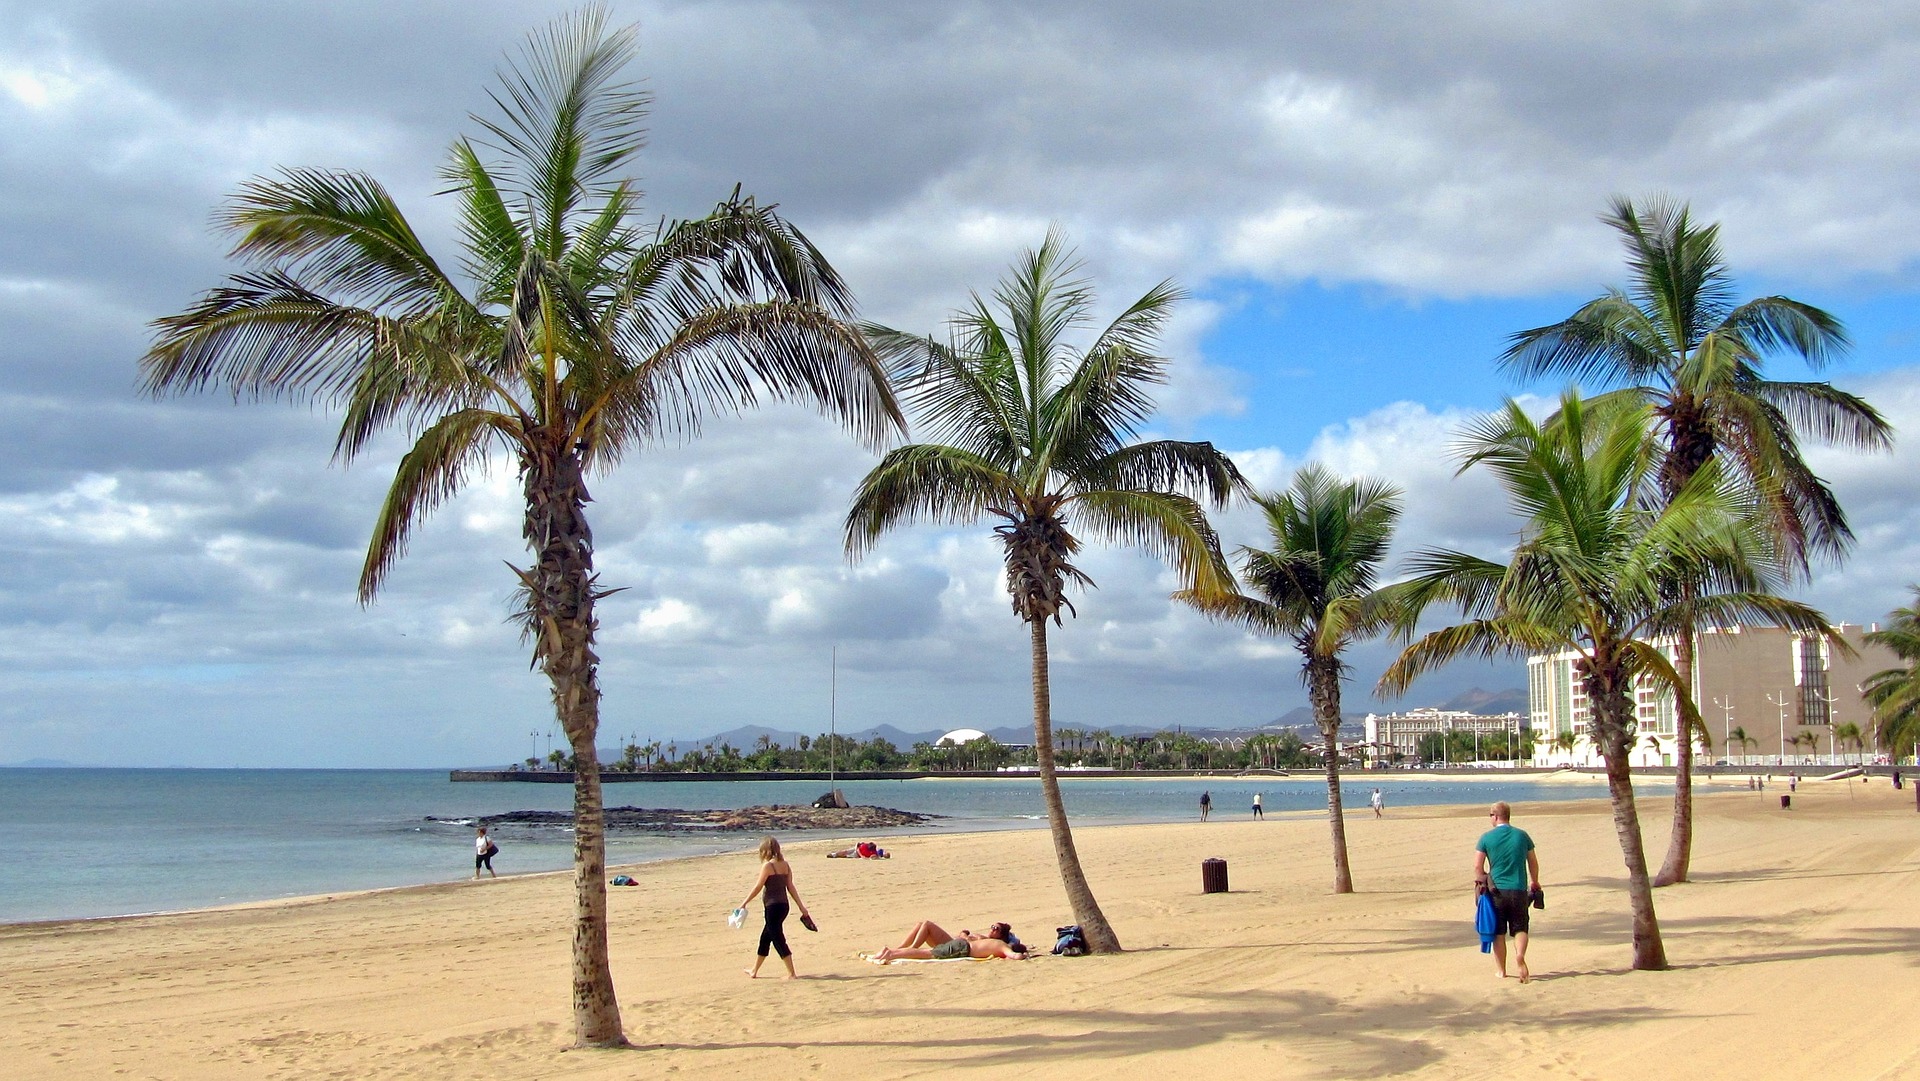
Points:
(483, 852)
(1257, 811)
(1206, 805)
(1378, 802)
(1505, 864)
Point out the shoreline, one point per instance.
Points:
(802, 842)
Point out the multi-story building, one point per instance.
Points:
(1775, 685)
(1395, 737)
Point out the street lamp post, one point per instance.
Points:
(1726, 736)
(1832, 750)
(1782, 703)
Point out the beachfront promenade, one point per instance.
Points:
(1795, 954)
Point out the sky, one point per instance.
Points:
(1362, 201)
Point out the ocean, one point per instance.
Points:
(113, 842)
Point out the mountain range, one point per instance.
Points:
(1298, 720)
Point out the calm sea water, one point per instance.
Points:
(106, 842)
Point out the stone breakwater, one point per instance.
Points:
(744, 819)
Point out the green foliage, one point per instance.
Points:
(1894, 693)
(1678, 343)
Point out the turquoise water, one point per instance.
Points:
(108, 842)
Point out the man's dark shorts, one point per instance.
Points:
(1510, 912)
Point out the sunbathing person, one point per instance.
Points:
(865, 850)
(928, 941)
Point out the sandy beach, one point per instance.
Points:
(1795, 950)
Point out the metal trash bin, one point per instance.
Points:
(1213, 876)
(1786, 802)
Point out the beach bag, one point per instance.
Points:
(492, 850)
(1072, 942)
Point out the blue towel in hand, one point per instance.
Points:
(1484, 922)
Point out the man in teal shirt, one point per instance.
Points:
(1505, 863)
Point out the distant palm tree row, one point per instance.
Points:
(570, 336)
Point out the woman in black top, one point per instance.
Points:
(776, 884)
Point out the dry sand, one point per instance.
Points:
(1796, 954)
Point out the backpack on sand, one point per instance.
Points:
(1072, 942)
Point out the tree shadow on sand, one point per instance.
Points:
(1398, 1036)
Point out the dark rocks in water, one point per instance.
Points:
(745, 819)
(835, 798)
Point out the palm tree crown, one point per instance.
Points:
(1037, 433)
(1316, 585)
(1679, 341)
(570, 335)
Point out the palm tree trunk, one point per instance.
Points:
(558, 616)
(1611, 708)
(1324, 690)
(1680, 844)
(1086, 911)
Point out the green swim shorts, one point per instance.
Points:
(947, 951)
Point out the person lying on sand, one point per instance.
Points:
(929, 942)
(865, 850)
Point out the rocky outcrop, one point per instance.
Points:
(745, 819)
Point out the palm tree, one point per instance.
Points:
(1594, 573)
(1678, 341)
(1739, 738)
(1316, 585)
(1850, 735)
(1565, 742)
(1035, 433)
(568, 336)
(1894, 692)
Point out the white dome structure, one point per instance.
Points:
(960, 736)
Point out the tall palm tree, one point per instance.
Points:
(1565, 742)
(568, 335)
(1035, 433)
(1678, 341)
(1594, 572)
(1316, 585)
(1894, 692)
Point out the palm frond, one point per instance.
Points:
(429, 474)
(1170, 527)
(567, 119)
(925, 483)
(340, 234)
(729, 359)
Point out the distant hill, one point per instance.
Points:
(1511, 700)
(42, 763)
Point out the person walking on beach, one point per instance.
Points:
(1257, 811)
(1206, 805)
(483, 852)
(1505, 864)
(1378, 801)
(773, 887)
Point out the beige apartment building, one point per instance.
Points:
(1772, 683)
